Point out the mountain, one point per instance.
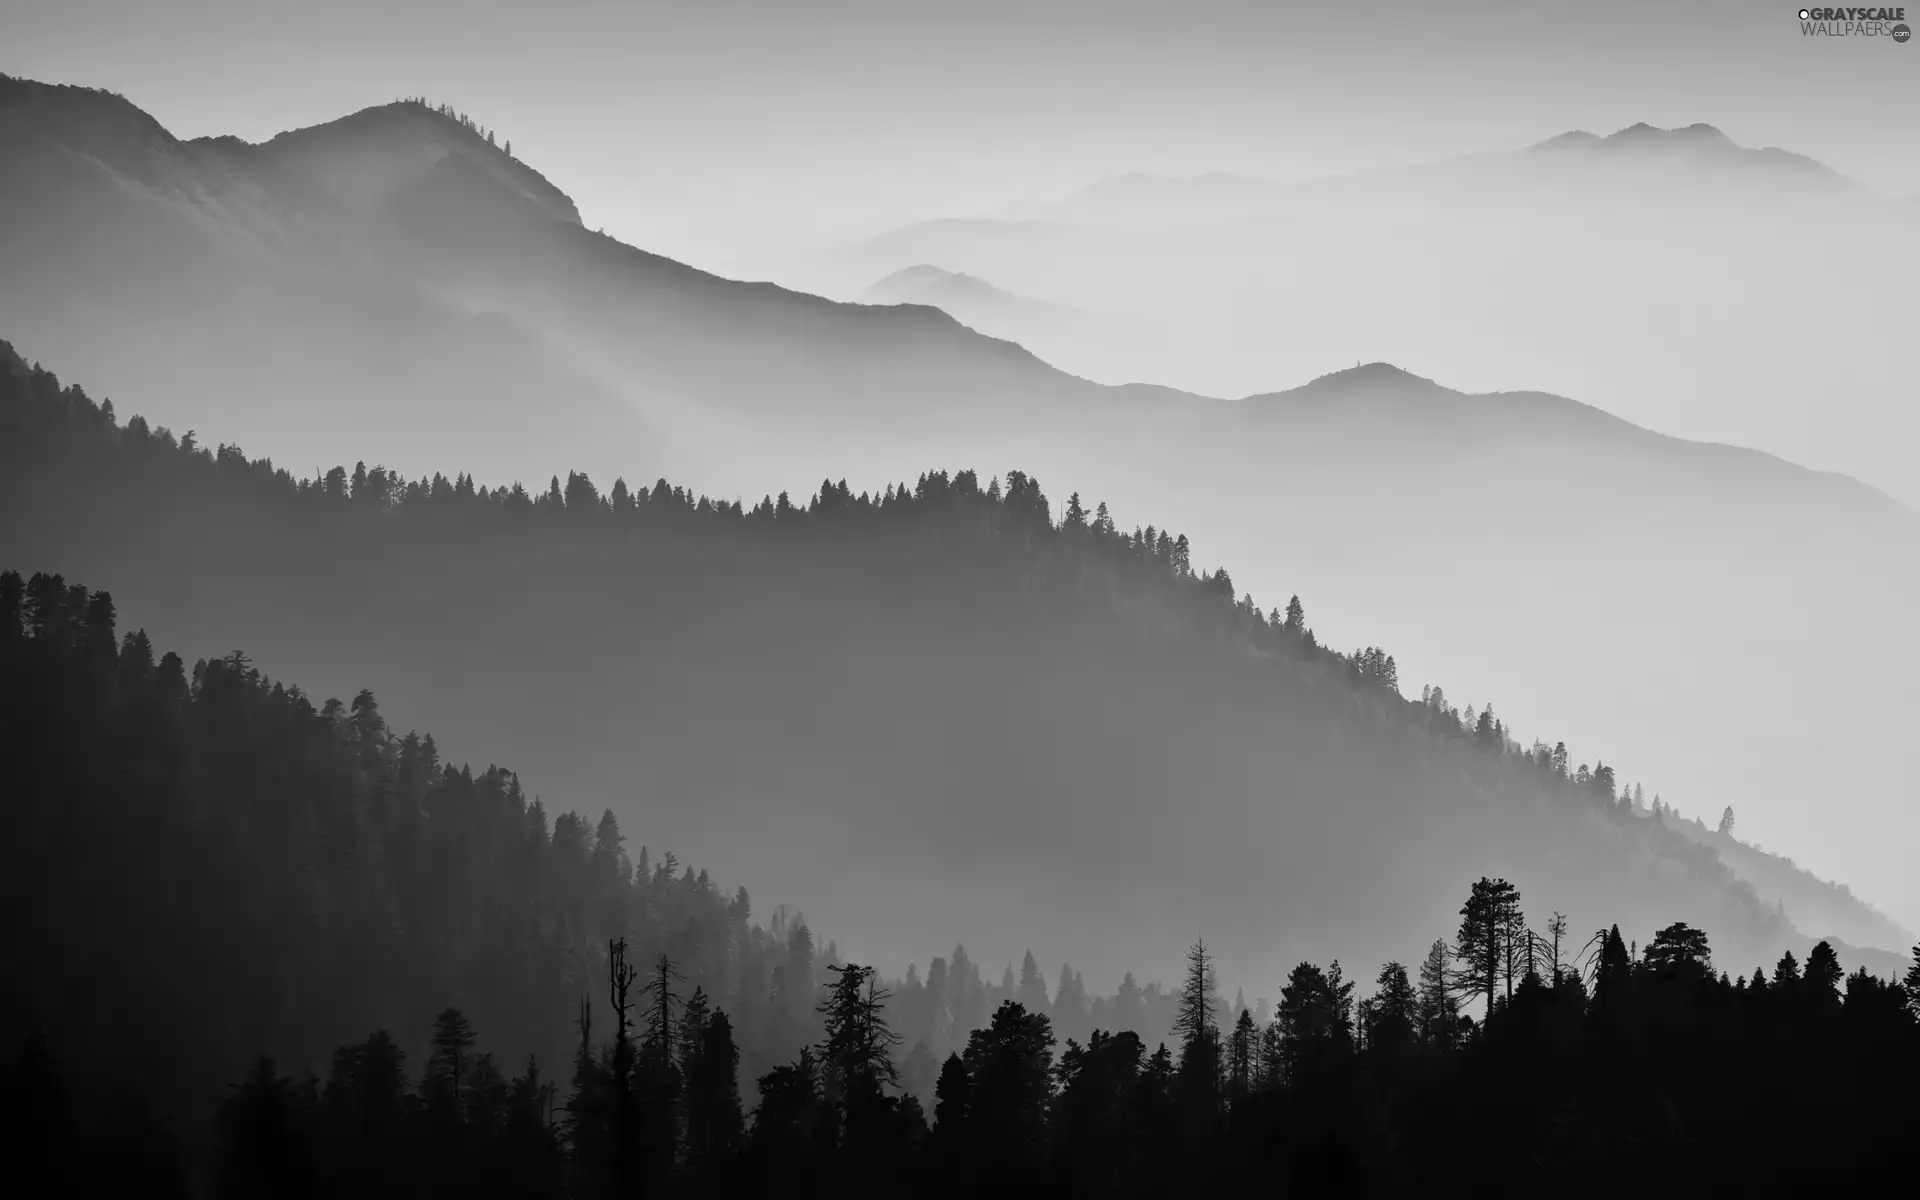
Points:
(397, 267)
(1699, 148)
(923, 715)
(1641, 154)
(222, 272)
(367, 159)
(394, 272)
(1816, 903)
(973, 302)
(1660, 274)
(1384, 396)
(979, 305)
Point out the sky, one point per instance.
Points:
(725, 132)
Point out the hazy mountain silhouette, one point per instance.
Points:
(1523, 267)
(906, 716)
(979, 305)
(973, 302)
(370, 157)
(394, 263)
(229, 273)
(1390, 398)
(1699, 147)
(1682, 157)
(394, 272)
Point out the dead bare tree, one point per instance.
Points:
(621, 975)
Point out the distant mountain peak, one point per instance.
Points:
(460, 128)
(1698, 143)
(374, 153)
(1367, 375)
(972, 301)
(918, 274)
(1699, 133)
(1699, 148)
(925, 283)
(1571, 138)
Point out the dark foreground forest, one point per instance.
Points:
(457, 991)
(257, 868)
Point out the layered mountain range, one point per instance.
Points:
(394, 288)
(953, 710)
(1677, 277)
(975, 303)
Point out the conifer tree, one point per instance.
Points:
(1395, 1011)
(1241, 1051)
(1272, 1055)
(1679, 949)
(593, 1125)
(1010, 1066)
(1489, 925)
(714, 1122)
(1194, 1022)
(856, 1055)
(659, 1079)
(1613, 972)
(951, 1094)
(1912, 982)
(448, 1066)
(1439, 1018)
(1821, 983)
(1786, 973)
(1032, 992)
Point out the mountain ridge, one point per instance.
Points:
(1705, 141)
(410, 129)
(1377, 380)
(974, 302)
(66, 442)
(462, 319)
(788, 310)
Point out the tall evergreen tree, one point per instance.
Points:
(1488, 924)
(1032, 993)
(714, 1122)
(448, 1067)
(1395, 1013)
(1241, 1051)
(1439, 1019)
(857, 1053)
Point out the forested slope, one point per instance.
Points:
(926, 716)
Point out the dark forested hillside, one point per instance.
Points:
(200, 865)
(255, 870)
(931, 715)
(213, 854)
